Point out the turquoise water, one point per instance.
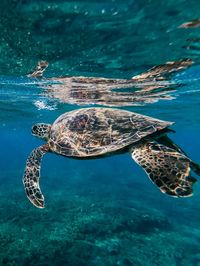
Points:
(98, 212)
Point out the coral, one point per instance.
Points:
(87, 230)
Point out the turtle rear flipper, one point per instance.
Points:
(166, 141)
(32, 176)
(166, 167)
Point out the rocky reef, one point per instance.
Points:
(91, 225)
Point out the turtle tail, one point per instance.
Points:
(32, 176)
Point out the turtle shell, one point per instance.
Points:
(96, 131)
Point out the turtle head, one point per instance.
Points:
(41, 130)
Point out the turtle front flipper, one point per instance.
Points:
(32, 176)
(166, 167)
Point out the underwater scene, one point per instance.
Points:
(117, 188)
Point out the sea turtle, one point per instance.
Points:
(93, 132)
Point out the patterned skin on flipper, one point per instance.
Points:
(92, 132)
(166, 167)
(32, 176)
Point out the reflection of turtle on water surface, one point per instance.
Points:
(195, 23)
(148, 87)
(95, 132)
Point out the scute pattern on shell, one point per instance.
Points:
(95, 131)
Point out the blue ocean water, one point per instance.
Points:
(102, 212)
